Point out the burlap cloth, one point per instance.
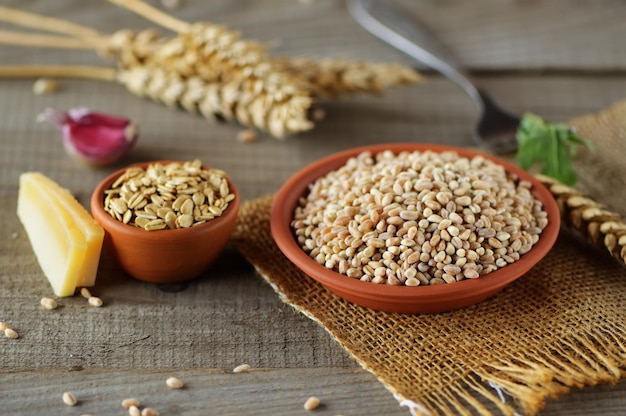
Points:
(562, 325)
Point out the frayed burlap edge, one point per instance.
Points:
(514, 374)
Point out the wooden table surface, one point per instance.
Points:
(558, 58)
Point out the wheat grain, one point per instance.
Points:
(311, 403)
(11, 333)
(95, 301)
(174, 383)
(243, 368)
(131, 401)
(148, 411)
(48, 303)
(69, 398)
(381, 218)
(46, 86)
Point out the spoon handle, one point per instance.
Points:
(399, 29)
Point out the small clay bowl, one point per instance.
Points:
(164, 256)
(403, 299)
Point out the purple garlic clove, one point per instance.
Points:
(94, 138)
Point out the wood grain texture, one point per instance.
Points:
(514, 35)
(218, 391)
(144, 333)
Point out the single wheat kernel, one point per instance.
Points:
(85, 293)
(242, 368)
(174, 383)
(95, 301)
(148, 411)
(46, 86)
(134, 411)
(11, 333)
(312, 403)
(69, 398)
(319, 113)
(48, 303)
(128, 403)
(247, 136)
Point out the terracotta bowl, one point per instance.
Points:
(403, 299)
(164, 256)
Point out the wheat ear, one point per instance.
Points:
(240, 101)
(209, 69)
(214, 101)
(594, 221)
(333, 77)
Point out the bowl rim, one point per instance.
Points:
(285, 200)
(107, 221)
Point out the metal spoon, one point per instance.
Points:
(496, 128)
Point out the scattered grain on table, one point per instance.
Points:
(129, 402)
(148, 411)
(174, 383)
(243, 368)
(48, 303)
(69, 398)
(318, 114)
(311, 403)
(11, 333)
(247, 136)
(95, 301)
(46, 86)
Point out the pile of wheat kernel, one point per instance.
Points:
(170, 196)
(418, 218)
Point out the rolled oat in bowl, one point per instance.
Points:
(418, 218)
(170, 196)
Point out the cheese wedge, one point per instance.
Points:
(93, 232)
(65, 238)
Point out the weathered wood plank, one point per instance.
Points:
(206, 391)
(144, 334)
(486, 35)
(266, 391)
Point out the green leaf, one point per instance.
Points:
(549, 145)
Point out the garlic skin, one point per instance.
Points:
(94, 138)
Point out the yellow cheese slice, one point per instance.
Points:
(93, 232)
(67, 250)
